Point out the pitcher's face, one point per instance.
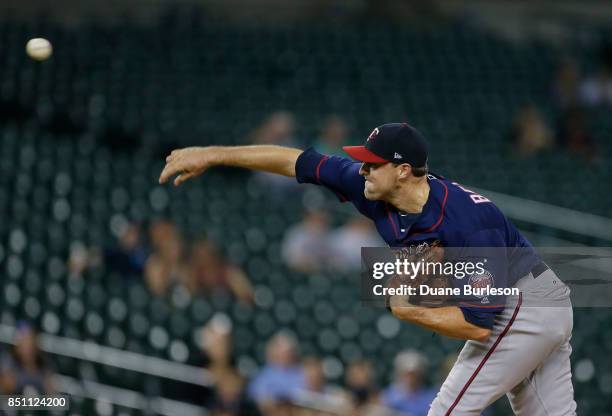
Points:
(380, 179)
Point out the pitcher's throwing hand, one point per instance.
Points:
(187, 163)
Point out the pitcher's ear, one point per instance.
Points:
(405, 170)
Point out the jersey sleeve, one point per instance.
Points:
(338, 174)
(487, 252)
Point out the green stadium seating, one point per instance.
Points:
(82, 139)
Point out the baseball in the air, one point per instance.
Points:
(39, 49)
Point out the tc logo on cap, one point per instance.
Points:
(373, 135)
(392, 142)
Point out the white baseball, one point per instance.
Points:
(39, 49)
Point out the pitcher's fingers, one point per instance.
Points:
(182, 178)
(172, 155)
(169, 170)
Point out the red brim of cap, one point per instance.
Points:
(362, 154)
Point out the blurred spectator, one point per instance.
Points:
(217, 348)
(314, 377)
(574, 134)
(317, 394)
(597, 90)
(285, 407)
(332, 137)
(81, 258)
(215, 355)
(359, 382)
(345, 243)
(565, 89)
(277, 129)
(407, 393)
(160, 231)
(229, 399)
(210, 273)
(25, 370)
(127, 257)
(316, 390)
(305, 246)
(165, 266)
(280, 378)
(530, 133)
(130, 255)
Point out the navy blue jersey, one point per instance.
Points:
(455, 216)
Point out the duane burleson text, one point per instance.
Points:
(424, 290)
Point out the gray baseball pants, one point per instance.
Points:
(527, 357)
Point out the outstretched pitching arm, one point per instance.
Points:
(187, 163)
(190, 162)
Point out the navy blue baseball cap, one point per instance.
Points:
(392, 142)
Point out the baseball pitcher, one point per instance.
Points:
(513, 346)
